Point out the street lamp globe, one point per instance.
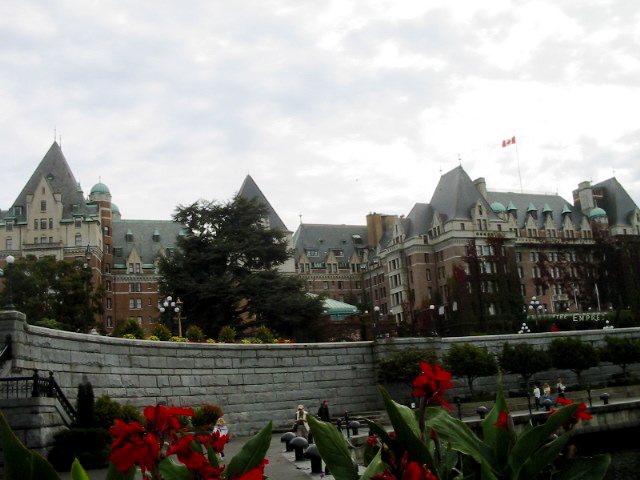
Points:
(10, 259)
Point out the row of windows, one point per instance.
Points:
(42, 223)
(139, 319)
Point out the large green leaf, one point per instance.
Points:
(543, 457)
(408, 434)
(530, 441)
(251, 454)
(375, 467)
(20, 462)
(584, 468)
(171, 470)
(459, 436)
(77, 472)
(497, 438)
(333, 449)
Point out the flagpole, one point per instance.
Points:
(518, 162)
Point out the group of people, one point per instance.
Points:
(547, 393)
(301, 425)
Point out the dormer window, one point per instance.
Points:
(156, 235)
(17, 211)
(129, 236)
(78, 222)
(9, 226)
(312, 253)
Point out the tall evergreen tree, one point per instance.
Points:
(225, 270)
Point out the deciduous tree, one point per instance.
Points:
(573, 354)
(523, 359)
(469, 361)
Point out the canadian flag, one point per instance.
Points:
(508, 141)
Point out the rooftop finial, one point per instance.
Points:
(55, 133)
(300, 218)
(459, 160)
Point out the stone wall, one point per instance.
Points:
(253, 383)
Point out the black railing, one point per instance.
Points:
(36, 386)
(6, 353)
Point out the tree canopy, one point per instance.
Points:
(225, 271)
(573, 354)
(46, 288)
(621, 351)
(524, 360)
(469, 361)
(404, 365)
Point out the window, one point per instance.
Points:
(107, 268)
(43, 205)
(107, 248)
(518, 256)
(131, 287)
(312, 253)
(137, 268)
(43, 224)
(325, 285)
(51, 224)
(130, 268)
(77, 222)
(107, 285)
(140, 320)
(17, 211)
(426, 258)
(9, 226)
(78, 240)
(35, 224)
(43, 239)
(9, 243)
(109, 303)
(132, 304)
(338, 253)
(36, 240)
(428, 274)
(109, 322)
(138, 303)
(107, 231)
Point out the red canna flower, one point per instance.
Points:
(503, 416)
(133, 445)
(195, 461)
(372, 440)
(215, 440)
(432, 384)
(405, 470)
(253, 474)
(162, 420)
(579, 414)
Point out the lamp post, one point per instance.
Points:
(9, 295)
(434, 329)
(575, 298)
(376, 314)
(536, 308)
(173, 307)
(87, 267)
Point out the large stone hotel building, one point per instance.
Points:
(467, 258)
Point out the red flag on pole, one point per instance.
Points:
(508, 141)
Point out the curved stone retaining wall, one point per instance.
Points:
(253, 383)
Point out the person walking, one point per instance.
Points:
(560, 388)
(323, 411)
(301, 425)
(536, 396)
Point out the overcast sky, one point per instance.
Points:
(336, 108)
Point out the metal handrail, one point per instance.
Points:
(6, 353)
(36, 386)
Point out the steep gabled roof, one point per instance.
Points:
(323, 238)
(616, 202)
(531, 202)
(142, 239)
(419, 220)
(55, 169)
(456, 195)
(250, 190)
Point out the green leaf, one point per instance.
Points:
(460, 436)
(333, 449)
(77, 472)
(20, 462)
(251, 454)
(170, 470)
(543, 457)
(384, 436)
(114, 474)
(496, 438)
(530, 441)
(584, 468)
(376, 467)
(214, 461)
(408, 434)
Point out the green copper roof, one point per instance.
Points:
(597, 212)
(532, 208)
(497, 207)
(511, 206)
(114, 208)
(546, 208)
(566, 209)
(100, 188)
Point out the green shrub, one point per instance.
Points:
(90, 445)
(129, 413)
(404, 365)
(105, 411)
(130, 327)
(195, 334)
(153, 338)
(206, 416)
(162, 332)
(227, 335)
(49, 323)
(264, 334)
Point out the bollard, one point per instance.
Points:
(316, 461)
(299, 444)
(286, 439)
(354, 426)
(605, 398)
(482, 411)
